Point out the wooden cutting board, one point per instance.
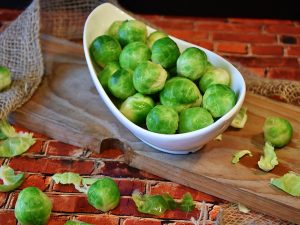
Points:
(67, 107)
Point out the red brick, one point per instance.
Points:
(36, 148)
(3, 198)
(62, 149)
(182, 24)
(150, 17)
(267, 50)
(258, 21)
(258, 71)
(127, 207)
(120, 169)
(71, 203)
(242, 37)
(204, 44)
(239, 48)
(177, 191)
(7, 217)
(114, 153)
(139, 221)
(57, 219)
(194, 18)
(228, 27)
(293, 51)
(265, 61)
(99, 219)
(36, 180)
(288, 39)
(282, 29)
(127, 186)
(284, 73)
(51, 165)
(187, 35)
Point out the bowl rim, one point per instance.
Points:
(126, 122)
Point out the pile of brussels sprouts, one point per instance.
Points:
(155, 85)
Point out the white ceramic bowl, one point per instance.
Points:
(97, 24)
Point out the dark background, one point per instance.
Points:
(275, 9)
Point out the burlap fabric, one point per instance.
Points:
(20, 51)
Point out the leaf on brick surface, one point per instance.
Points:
(10, 180)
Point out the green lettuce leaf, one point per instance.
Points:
(289, 182)
(187, 204)
(13, 143)
(269, 160)
(10, 180)
(240, 154)
(81, 184)
(76, 222)
(240, 119)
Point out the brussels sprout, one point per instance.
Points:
(219, 99)
(114, 29)
(33, 207)
(165, 52)
(192, 63)
(107, 71)
(131, 31)
(154, 36)
(149, 78)
(194, 119)
(277, 131)
(104, 194)
(214, 76)
(162, 119)
(136, 108)
(180, 93)
(105, 49)
(120, 84)
(133, 54)
(5, 78)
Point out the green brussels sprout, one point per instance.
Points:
(149, 78)
(33, 207)
(277, 131)
(105, 49)
(136, 108)
(180, 93)
(162, 119)
(154, 36)
(209, 66)
(214, 76)
(192, 63)
(131, 31)
(114, 29)
(107, 71)
(165, 52)
(5, 78)
(194, 119)
(133, 54)
(120, 84)
(104, 194)
(219, 99)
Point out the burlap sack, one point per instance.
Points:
(20, 51)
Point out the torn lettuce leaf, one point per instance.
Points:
(242, 208)
(76, 222)
(11, 181)
(268, 160)
(289, 182)
(240, 118)
(13, 143)
(236, 156)
(159, 204)
(218, 138)
(81, 184)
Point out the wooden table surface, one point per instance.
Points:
(270, 48)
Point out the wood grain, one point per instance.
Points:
(67, 107)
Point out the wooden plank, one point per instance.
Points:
(67, 107)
